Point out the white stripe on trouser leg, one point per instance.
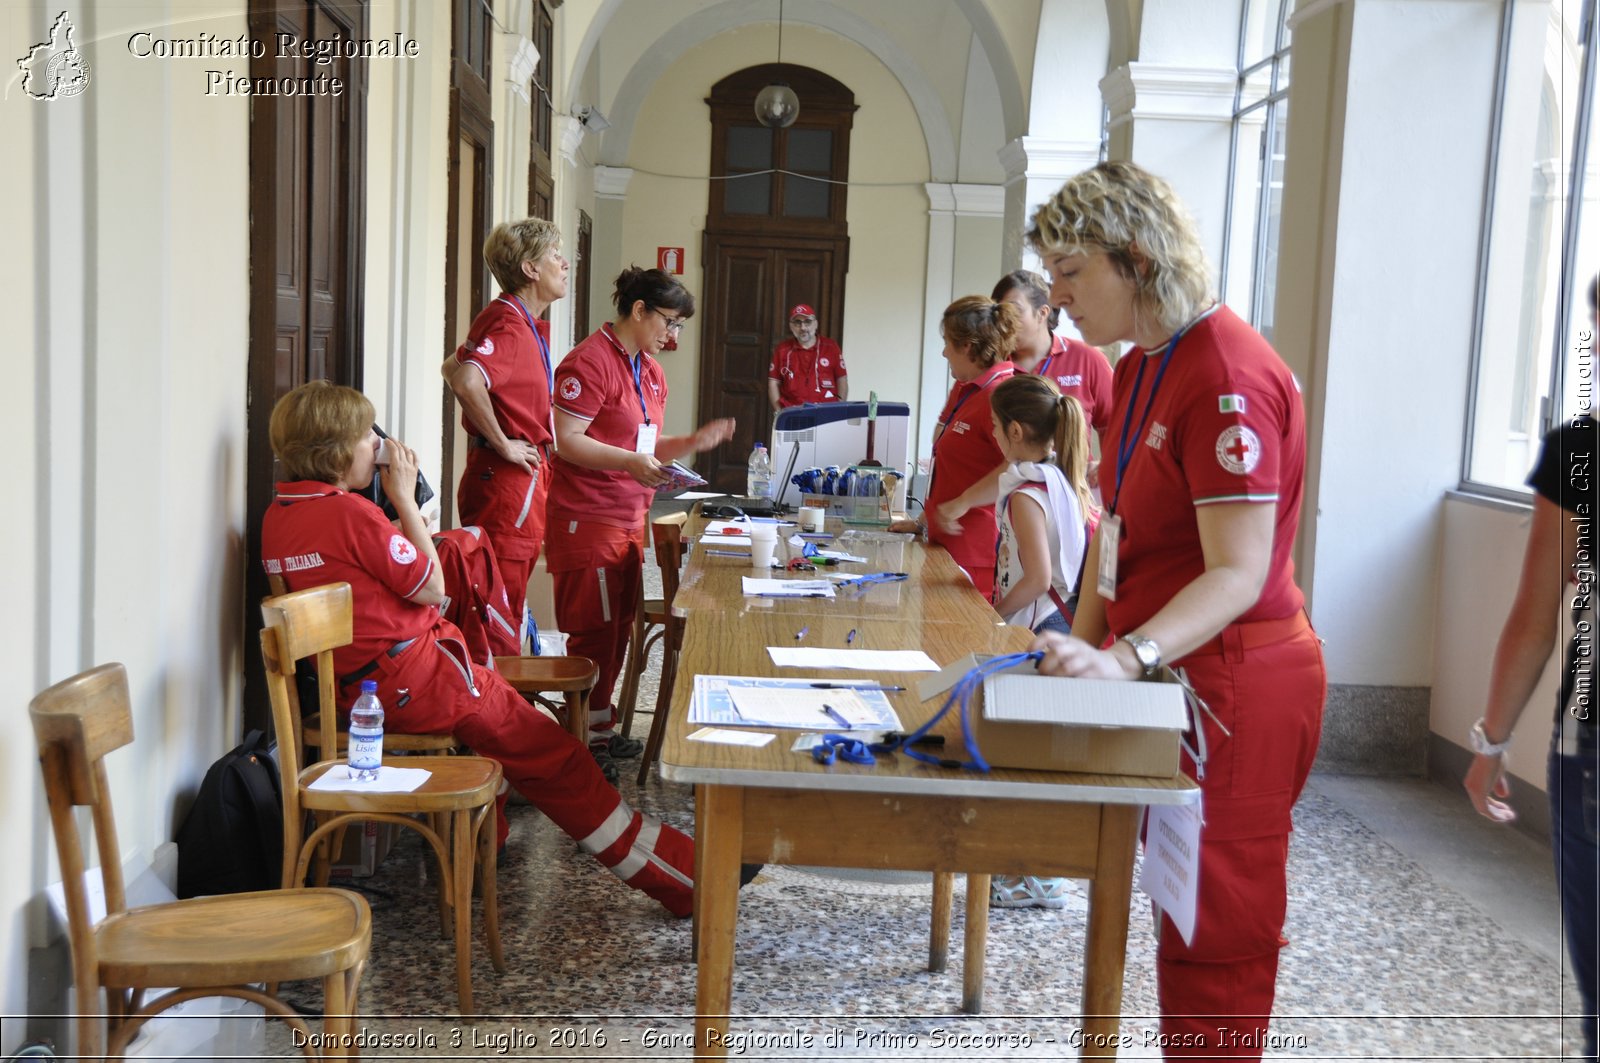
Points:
(606, 834)
(605, 596)
(639, 852)
(643, 853)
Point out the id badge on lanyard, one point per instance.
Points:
(646, 443)
(1110, 535)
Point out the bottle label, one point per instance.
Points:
(366, 749)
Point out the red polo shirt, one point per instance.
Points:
(314, 534)
(1227, 426)
(596, 382)
(1081, 371)
(807, 374)
(502, 347)
(963, 452)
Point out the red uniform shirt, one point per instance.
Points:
(314, 534)
(807, 374)
(1227, 426)
(502, 347)
(963, 453)
(1081, 371)
(596, 382)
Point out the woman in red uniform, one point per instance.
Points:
(501, 376)
(1075, 367)
(611, 397)
(967, 462)
(1202, 477)
(317, 532)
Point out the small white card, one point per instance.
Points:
(1110, 534)
(860, 660)
(724, 737)
(647, 438)
(788, 588)
(390, 780)
(696, 495)
(1170, 875)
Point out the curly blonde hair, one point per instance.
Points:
(514, 242)
(1136, 218)
(315, 430)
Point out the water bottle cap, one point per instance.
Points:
(369, 686)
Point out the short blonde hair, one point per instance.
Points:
(987, 328)
(514, 242)
(1134, 216)
(316, 428)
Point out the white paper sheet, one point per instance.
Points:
(805, 707)
(788, 588)
(724, 540)
(723, 737)
(728, 527)
(691, 495)
(861, 660)
(390, 780)
(713, 703)
(1170, 875)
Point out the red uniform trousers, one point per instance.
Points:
(1216, 993)
(598, 575)
(428, 689)
(508, 504)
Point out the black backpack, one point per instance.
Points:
(232, 839)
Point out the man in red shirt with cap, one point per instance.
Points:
(808, 368)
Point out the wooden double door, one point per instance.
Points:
(751, 282)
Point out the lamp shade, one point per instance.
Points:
(777, 106)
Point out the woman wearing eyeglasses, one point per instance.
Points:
(1202, 475)
(610, 402)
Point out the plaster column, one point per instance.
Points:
(567, 134)
(1036, 169)
(1176, 121)
(610, 198)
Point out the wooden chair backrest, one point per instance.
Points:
(76, 723)
(666, 535)
(309, 623)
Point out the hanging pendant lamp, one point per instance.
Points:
(776, 105)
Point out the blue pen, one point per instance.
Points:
(848, 639)
(836, 716)
(798, 635)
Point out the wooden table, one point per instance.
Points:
(776, 806)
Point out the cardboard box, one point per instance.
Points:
(365, 846)
(1098, 726)
(856, 509)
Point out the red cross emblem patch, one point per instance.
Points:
(1238, 449)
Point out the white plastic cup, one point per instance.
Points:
(763, 545)
(811, 518)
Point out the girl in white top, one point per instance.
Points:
(1043, 512)
(1045, 508)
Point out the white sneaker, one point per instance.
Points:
(1027, 891)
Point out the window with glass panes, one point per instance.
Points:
(1540, 249)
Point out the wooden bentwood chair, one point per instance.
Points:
(667, 537)
(207, 946)
(458, 797)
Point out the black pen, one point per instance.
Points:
(853, 686)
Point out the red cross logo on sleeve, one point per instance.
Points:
(1238, 449)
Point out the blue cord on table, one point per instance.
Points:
(961, 693)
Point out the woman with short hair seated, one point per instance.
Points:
(318, 532)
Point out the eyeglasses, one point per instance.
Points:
(674, 324)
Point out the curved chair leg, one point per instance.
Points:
(658, 723)
(461, 866)
(632, 668)
(491, 899)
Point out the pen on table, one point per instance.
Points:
(854, 686)
(836, 716)
(775, 594)
(798, 635)
(848, 639)
(727, 553)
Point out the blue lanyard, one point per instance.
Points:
(544, 347)
(636, 363)
(995, 379)
(1127, 443)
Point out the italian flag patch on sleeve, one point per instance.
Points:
(1230, 403)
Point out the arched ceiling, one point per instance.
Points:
(938, 130)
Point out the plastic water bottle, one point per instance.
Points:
(366, 733)
(758, 481)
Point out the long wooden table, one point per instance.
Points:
(776, 806)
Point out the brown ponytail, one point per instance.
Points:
(1048, 416)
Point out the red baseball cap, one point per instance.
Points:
(802, 310)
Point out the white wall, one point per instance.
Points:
(128, 313)
(1479, 562)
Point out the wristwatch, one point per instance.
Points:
(1481, 744)
(1146, 650)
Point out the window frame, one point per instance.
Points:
(1567, 283)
